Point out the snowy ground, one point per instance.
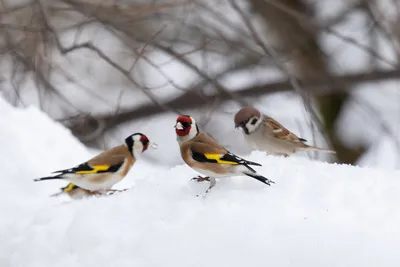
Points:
(316, 214)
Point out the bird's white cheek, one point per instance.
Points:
(251, 128)
(138, 146)
(192, 132)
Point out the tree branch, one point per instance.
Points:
(192, 100)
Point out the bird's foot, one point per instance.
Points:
(212, 184)
(278, 155)
(201, 179)
(113, 191)
(99, 192)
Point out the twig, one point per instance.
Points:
(292, 80)
(191, 99)
(374, 14)
(303, 20)
(361, 46)
(90, 46)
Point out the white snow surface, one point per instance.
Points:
(317, 214)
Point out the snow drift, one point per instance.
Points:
(317, 214)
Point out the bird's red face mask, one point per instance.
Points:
(145, 142)
(183, 125)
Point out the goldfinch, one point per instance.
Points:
(266, 134)
(206, 156)
(76, 192)
(100, 173)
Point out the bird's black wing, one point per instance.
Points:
(85, 168)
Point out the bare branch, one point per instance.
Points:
(192, 100)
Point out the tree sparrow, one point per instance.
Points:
(266, 134)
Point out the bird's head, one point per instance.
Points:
(185, 128)
(138, 143)
(248, 119)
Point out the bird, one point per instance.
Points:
(101, 172)
(205, 155)
(75, 192)
(263, 133)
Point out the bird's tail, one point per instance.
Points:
(308, 148)
(247, 162)
(259, 177)
(48, 178)
(57, 194)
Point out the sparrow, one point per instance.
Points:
(76, 192)
(206, 156)
(263, 133)
(100, 173)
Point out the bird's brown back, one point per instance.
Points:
(279, 131)
(114, 156)
(203, 144)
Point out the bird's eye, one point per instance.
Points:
(185, 124)
(253, 121)
(244, 122)
(145, 142)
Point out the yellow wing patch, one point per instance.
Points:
(217, 157)
(96, 169)
(69, 187)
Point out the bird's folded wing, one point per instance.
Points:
(99, 164)
(203, 152)
(85, 168)
(279, 131)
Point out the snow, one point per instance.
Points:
(317, 214)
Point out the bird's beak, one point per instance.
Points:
(239, 126)
(153, 145)
(179, 126)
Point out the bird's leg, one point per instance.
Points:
(201, 179)
(56, 194)
(98, 193)
(112, 191)
(280, 155)
(212, 184)
(116, 190)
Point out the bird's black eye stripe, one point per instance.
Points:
(243, 123)
(145, 142)
(185, 124)
(254, 121)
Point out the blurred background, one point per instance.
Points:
(328, 70)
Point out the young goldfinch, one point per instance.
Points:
(266, 134)
(205, 155)
(103, 171)
(75, 192)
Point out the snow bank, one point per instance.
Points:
(316, 214)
